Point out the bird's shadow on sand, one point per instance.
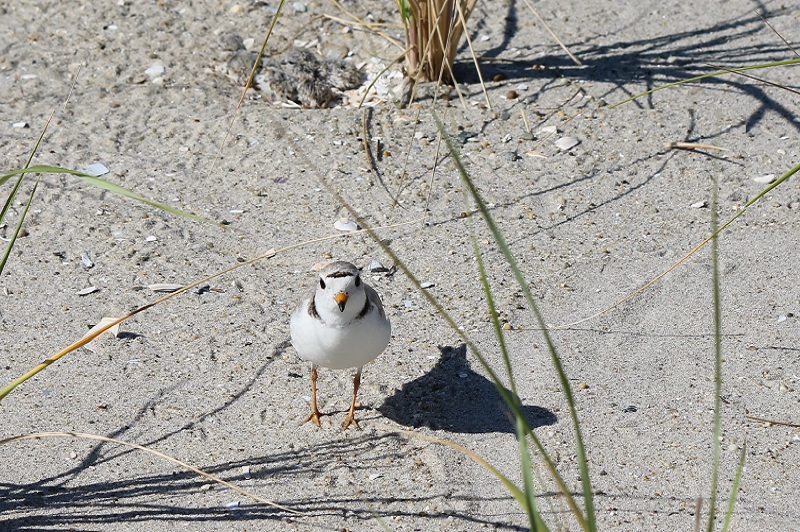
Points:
(454, 398)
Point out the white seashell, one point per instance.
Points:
(88, 290)
(19, 124)
(164, 287)
(113, 331)
(565, 143)
(376, 266)
(427, 284)
(765, 179)
(345, 224)
(95, 169)
(548, 130)
(150, 238)
(699, 204)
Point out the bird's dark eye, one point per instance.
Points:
(322, 283)
(358, 280)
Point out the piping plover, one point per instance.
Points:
(340, 325)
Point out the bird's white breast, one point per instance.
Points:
(339, 347)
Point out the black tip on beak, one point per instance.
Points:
(341, 300)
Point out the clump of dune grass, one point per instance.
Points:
(433, 31)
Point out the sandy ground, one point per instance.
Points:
(210, 378)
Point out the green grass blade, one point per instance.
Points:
(715, 444)
(11, 195)
(15, 190)
(734, 489)
(14, 236)
(534, 518)
(111, 187)
(487, 292)
(565, 386)
(528, 502)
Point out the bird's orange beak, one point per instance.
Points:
(341, 300)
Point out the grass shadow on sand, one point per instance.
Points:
(650, 61)
(183, 497)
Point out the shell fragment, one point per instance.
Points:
(164, 287)
(765, 179)
(88, 290)
(566, 143)
(345, 224)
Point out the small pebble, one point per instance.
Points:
(499, 77)
(19, 124)
(155, 71)
(299, 7)
(699, 204)
(548, 130)
(200, 290)
(508, 327)
(427, 285)
(512, 95)
(408, 303)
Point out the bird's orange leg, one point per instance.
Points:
(351, 418)
(315, 413)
